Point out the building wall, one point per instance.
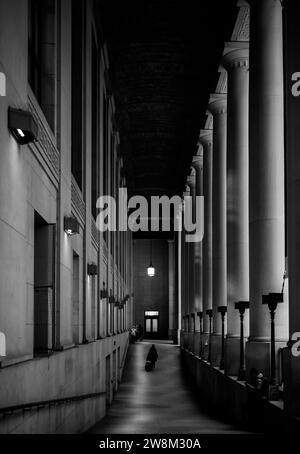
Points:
(151, 293)
(37, 178)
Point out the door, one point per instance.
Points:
(151, 324)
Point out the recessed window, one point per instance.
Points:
(41, 55)
(77, 92)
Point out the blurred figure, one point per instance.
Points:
(152, 355)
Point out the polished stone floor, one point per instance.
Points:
(161, 401)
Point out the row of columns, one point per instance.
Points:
(242, 176)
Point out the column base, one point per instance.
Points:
(215, 358)
(179, 336)
(232, 355)
(291, 378)
(196, 346)
(191, 341)
(258, 356)
(172, 335)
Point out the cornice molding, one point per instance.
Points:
(222, 82)
(241, 31)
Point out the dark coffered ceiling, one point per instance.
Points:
(164, 57)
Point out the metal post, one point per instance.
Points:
(242, 306)
(200, 315)
(222, 310)
(272, 299)
(209, 312)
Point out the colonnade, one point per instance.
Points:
(241, 175)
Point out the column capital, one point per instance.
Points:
(191, 181)
(217, 104)
(197, 162)
(236, 55)
(205, 137)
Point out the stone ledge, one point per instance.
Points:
(232, 400)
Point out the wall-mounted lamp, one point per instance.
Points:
(103, 293)
(92, 269)
(111, 298)
(151, 269)
(22, 125)
(71, 225)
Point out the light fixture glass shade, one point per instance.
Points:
(71, 225)
(22, 125)
(151, 270)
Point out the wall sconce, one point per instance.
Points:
(103, 293)
(71, 225)
(111, 298)
(92, 269)
(22, 125)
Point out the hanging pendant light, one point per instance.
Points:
(151, 269)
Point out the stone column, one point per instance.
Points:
(197, 164)
(236, 61)
(266, 179)
(191, 182)
(205, 140)
(180, 276)
(185, 273)
(291, 362)
(218, 108)
(171, 288)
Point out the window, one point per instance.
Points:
(41, 55)
(44, 271)
(76, 300)
(77, 94)
(105, 154)
(95, 128)
(112, 190)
